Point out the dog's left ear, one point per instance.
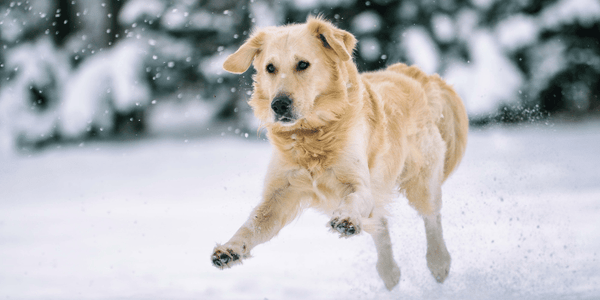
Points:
(240, 61)
(340, 41)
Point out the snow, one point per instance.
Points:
(521, 30)
(489, 80)
(310, 4)
(131, 89)
(138, 10)
(306, 4)
(138, 220)
(549, 60)
(11, 31)
(266, 14)
(421, 49)
(367, 22)
(483, 4)
(12, 27)
(36, 65)
(407, 10)
(467, 21)
(201, 19)
(110, 81)
(567, 11)
(517, 31)
(178, 116)
(369, 48)
(174, 19)
(443, 27)
(212, 66)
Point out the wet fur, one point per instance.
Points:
(359, 139)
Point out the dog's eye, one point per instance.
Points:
(271, 68)
(302, 65)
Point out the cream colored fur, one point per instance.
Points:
(356, 141)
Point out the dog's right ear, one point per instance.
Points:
(240, 61)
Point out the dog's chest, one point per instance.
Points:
(310, 151)
(324, 187)
(320, 194)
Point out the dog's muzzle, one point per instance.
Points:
(282, 106)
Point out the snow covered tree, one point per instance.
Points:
(562, 60)
(107, 62)
(32, 73)
(73, 69)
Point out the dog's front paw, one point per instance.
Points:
(346, 226)
(225, 257)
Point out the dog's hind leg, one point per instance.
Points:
(386, 266)
(424, 192)
(438, 258)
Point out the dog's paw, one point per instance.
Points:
(346, 227)
(225, 257)
(389, 273)
(438, 262)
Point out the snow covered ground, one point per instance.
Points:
(139, 220)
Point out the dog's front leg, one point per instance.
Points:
(357, 205)
(280, 206)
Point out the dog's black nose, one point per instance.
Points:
(282, 105)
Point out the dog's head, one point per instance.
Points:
(298, 73)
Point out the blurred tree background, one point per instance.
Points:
(71, 70)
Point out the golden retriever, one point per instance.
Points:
(346, 143)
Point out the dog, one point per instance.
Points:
(346, 143)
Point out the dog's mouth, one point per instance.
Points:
(286, 120)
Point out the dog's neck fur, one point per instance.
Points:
(317, 147)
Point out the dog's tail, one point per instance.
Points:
(453, 125)
(451, 116)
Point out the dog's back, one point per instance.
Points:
(441, 104)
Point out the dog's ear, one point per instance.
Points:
(340, 41)
(240, 61)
